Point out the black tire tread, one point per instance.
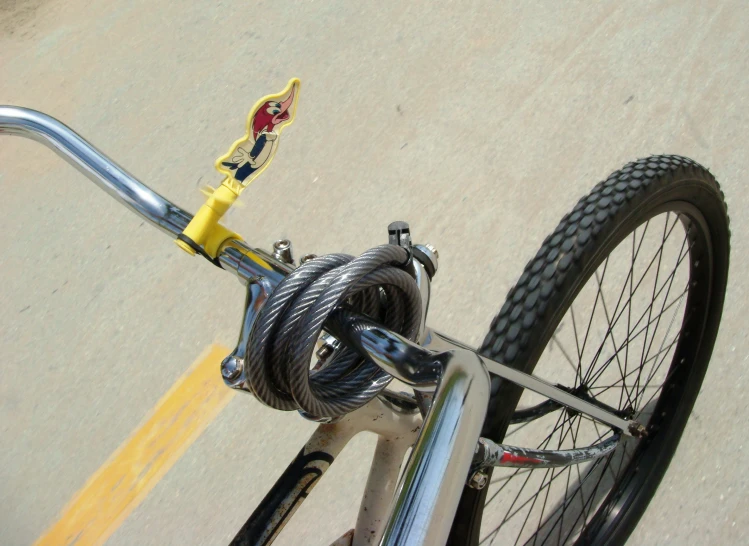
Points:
(545, 278)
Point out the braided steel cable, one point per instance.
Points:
(284, 335)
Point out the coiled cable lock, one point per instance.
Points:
(286, 330)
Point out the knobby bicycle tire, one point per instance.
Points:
(550, 283)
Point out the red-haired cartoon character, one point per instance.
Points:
(251, 154)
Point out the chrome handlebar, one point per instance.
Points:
(117, 182)
(104, 172)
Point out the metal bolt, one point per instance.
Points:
(324, 352)
(433, 249)
(327, 345)
(307, 257)
(231, 367)
(282, 251)
(478, 480)
(637, 430)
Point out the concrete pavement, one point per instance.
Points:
(479, 123)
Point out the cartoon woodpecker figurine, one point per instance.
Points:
(254, 152)
(246, 159)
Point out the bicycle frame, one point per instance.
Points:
(426, 497)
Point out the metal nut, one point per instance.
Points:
(231, 367)
(478, 480)
(433, 249)
(637, 430)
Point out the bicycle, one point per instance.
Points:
(327, 336)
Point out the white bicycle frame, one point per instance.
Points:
(418, 509)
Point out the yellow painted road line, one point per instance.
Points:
(113, 492)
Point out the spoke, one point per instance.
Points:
(599, 437)
(504, 519)
(507, 515)
(670, 374)
(654, 369)
(519, 427)
(611, 337)
(545, 486)
(492, 535)
(602, 369)
(570, 420)
(583, 502)
(579, 490)
(546, 499)
(625, 446)
(535, 498)
(655, 286)
(591, 498)
(660, 387)
(638, 320)
(543, 445)
(541, 490)
(566, 356)
(565, 502)
(625, 456)
(629, 318)
(634, 371)
(515, 473)
(655, 329)
(595, 304)
(652, 261)
(574, 329)
(579, 481)
(510, 514)
(557, 428)
(621, 295)
(624, 442)
(577, 430)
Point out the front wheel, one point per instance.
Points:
(621, 305)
